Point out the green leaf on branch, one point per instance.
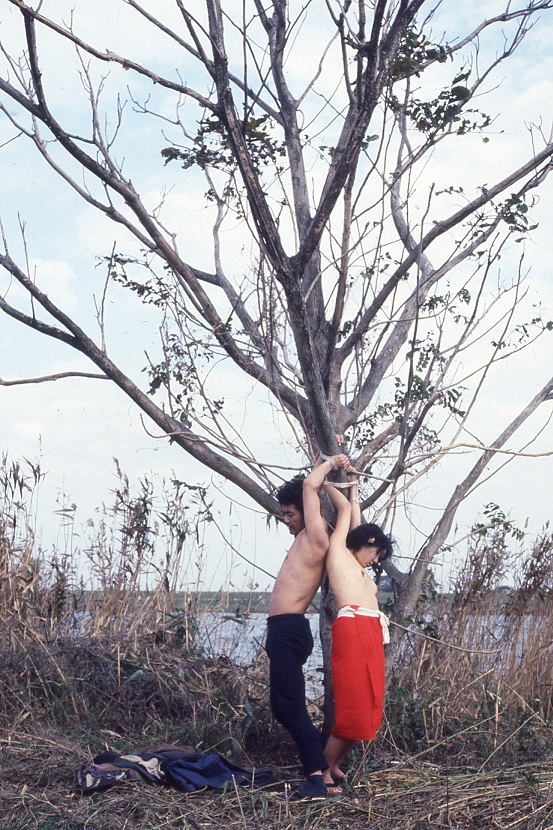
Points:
(415, 53)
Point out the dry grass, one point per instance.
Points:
(479, 662)
(466, 742)
(104, 704)
(37, 791)
(80, 685)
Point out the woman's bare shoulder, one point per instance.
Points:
(339, 555)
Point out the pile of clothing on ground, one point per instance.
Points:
(165, 764)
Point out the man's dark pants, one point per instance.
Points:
(289, 644)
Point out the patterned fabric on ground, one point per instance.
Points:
(92, 777)
(167, 752)
(358, 673)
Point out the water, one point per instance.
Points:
(242, 639)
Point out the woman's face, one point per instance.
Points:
(368, 555)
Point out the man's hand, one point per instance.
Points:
(337, 462)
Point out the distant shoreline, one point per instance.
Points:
(255, 602)
(237, 603)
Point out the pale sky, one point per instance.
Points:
(77, 427)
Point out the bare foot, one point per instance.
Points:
(333, 782)
(336, 776)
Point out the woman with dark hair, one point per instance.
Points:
(359, 631)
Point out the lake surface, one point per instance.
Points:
(242, 638)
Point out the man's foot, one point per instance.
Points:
(312, 789)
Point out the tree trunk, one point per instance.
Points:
(327, 615)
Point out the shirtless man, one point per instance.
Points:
(289, 638)
(358, 633)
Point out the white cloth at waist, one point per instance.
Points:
(352, 610)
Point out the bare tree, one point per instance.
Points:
(367, 300)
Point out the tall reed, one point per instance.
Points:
(105, 630)
(136, 567)
(475, 672)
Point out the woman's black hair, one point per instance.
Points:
(369, 534)
(291, 492)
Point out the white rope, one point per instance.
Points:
(330, 461)
(340, 485)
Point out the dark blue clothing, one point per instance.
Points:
(214, 770)
(289, 644)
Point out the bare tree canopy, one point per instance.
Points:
(343, 264)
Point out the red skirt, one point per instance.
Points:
(358, 674)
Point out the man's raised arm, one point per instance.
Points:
(315, 525)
